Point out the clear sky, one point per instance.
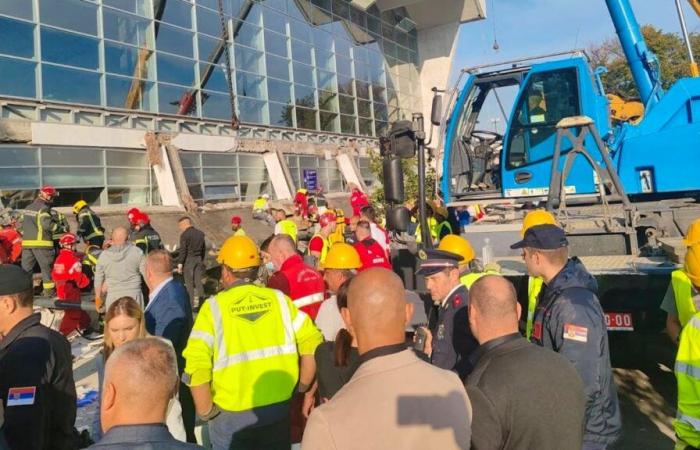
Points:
(536, 27)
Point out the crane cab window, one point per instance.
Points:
(548, 98)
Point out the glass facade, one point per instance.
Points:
(320, 65)
(225, 177)
(328, 176)
(99, 176)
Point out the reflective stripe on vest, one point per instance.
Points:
(308, 300)
(440, 226)
(687, 371)
(534, 286)
(683, 293)
(470, 278)
(324, 249)
(95, 230)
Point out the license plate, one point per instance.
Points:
(617, 321)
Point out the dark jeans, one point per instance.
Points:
(43, 256)
(188, 412)
(226, 433)
(192, 272)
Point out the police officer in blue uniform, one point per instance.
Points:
(569, 320)
(449, 342)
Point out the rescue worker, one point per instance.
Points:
(682, 299)
(358, 199)
(338, 234)
(144, 236)
(37, 389)
(62, 227)
(236, 226)
(131, 216)
(341, 265)
(371, 253)
(69, 277)
(301, 199)
(38, 227)
(190, 260)
(89, 262)
(242, 396)
(534, 284)
(443, 226)
(320, 242)
(284, 225)
(379, 234)
(450, 342)
(10, 241)
(431, 222)
(90, 228)
(569, 320)
(299, 281)
(261, 209)
(470, 268)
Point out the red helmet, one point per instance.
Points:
(49, 190)
(67, 239)
(326, 218)
(235, 220)
(132, 212)
(139, 218)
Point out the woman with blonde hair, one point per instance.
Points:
(124, 322)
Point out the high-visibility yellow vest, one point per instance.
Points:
(534, 286)
(239, 232)
(246, 342)
(288, 227)
(683, 293)
(440, 226)
(687, 369)
(470, 278)
(324, 250)
(432, 226)
(260, 203)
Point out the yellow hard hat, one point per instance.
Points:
(342, 256)
(692, 236)
(80, 204)
(692, 264)
(459, 246)
(239, 253)
(537, 217)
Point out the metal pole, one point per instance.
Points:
(422, 218)
(694, 72)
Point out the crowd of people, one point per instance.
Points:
(319, 345)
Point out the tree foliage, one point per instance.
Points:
(668, 47)
(410, 180)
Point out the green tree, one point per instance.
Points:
(668, 47)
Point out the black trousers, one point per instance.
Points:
(44, 257)
(192, 272)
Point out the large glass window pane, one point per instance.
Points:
(210, 49)
(342, 46)
(252, 111)
(278, 91)
(16, 38)
(193, 175)
(277, 67)
(128, 177)
(325, 60)
(343, 65)
(250, 85)
(208, 22)
(220, 175)
(347, 124)
(328, 101)
(140, 7)
(57, 156)
(173, 40)
(249, 35)
(303, 74)
(275, 43)
(176, 100)
(189, 159)
(69, 85)
(306, 118)
(127, 28)
(128, 195)
(216, 105)
(322, 40)
(75, 15)
(300, 30)
(326, 80)
(305, 96)
(124, 60)
(126, 158)
(329, 121)
(213, 77)
(19, 178)
(345, 85)
(347, 104)
(221, 192)
(15, 8)
(130, 93)
(364, 108)
(301, 52)
(274, 21)
(178, 13)
(365, 127)
(17, 78)
(218, 160)
(281, 114)
(72, 177)
(69, 49)
(176, 70)
(249, 60)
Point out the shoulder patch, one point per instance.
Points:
(21, 396)
(575, 332)
(457, 301)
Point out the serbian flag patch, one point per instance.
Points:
(20, 396)
(575, 332)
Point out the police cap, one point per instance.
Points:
(14, 280)
(543, 237)
(433, 261)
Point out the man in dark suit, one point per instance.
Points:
(523, 396)
(133, 407)
(169, 315)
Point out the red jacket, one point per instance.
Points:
(371, 254)
(68, 274)
(358, 200)
(10, 245)
(302, 201)
(301, 283)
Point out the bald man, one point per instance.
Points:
(134, 407)
(119, 270)
(524, 396)
(394, 398)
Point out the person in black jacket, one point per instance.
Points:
(36, 371)
(570, 321)
(190, 259)
(523, 396)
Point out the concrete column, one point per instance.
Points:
(275, 170)
(166, 181)
(350, 171)
(436, 47)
